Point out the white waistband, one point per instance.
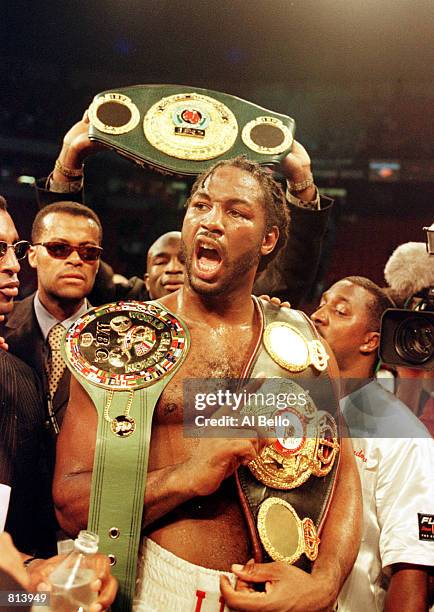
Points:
(167, 583)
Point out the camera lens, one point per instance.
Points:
(414, 339)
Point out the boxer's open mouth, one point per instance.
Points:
(208, 258)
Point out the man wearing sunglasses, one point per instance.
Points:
(25, 498)
(66, 249)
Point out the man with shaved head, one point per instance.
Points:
(164, 274)
(164, 266)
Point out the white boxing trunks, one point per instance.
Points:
(166, 583)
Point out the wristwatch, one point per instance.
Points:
(301, 186)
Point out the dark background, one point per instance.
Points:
(357, 76)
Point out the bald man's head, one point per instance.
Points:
(165, 266)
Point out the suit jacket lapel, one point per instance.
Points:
(24, 334)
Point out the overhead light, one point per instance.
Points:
(24, 179)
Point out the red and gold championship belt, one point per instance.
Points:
(178, 129)
(286, 491)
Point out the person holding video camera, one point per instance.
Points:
(394, 456)
(407, 337)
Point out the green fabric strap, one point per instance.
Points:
(123, 354)
(119, 482)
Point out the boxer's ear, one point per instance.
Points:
(269, 240)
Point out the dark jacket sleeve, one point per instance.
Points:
(105, 290)
(291, 274)
(45, 197)
(30, 519)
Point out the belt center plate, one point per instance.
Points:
(125, 345)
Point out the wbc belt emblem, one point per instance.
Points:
(125, 346)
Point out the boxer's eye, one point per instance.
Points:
(200, 205)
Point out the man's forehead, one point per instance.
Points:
(52, 221)
(229, 177)
(165, 244)
(7, 228)
(167, 251)
(349, 292)
(343, 286)
(336, 291)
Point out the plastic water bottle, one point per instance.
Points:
(70, 581)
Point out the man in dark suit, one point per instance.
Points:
(66, 248)
(29, 514)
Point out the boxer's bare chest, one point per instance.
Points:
(218, 352)
(216, 520)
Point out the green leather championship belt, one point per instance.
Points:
(179, 129)
(286, 491)
(123, 354)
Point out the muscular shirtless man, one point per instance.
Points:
(193, 522)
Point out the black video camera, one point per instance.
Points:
(407, 336)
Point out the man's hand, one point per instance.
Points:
(296, 167)
(4, 346)
(213, 460)
(76, 147)
(275, 300)
(11, 561)
(287, 589)
(105, 584)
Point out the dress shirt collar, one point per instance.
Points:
(47, 321)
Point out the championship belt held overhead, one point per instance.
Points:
(178, 129)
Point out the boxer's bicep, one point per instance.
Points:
(74, 460)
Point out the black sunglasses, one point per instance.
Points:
(20, 248)
(61, 250)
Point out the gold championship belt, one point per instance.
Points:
(179, 129)
(277, 517)
(308, 447)
(123, 354)
(286, 490)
